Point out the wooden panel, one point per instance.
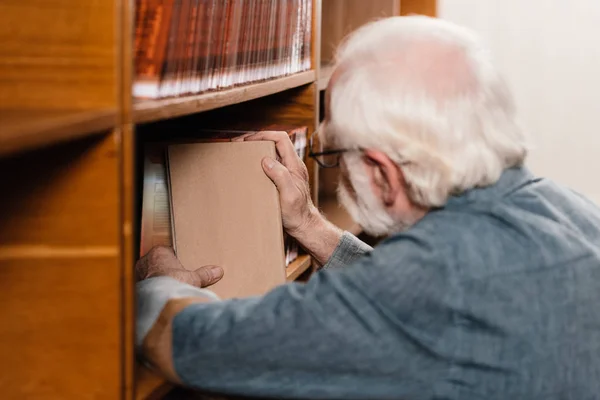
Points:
(324, 74)
(336, 214)
(154, 110)
(128, 258)
(64, 196)
(128, 197)
(27, 129)
(297, 267)
(422, 7)
(340, 17)
(60, 327)
(60, 278)
(57, 54)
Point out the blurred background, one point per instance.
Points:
(549, 51)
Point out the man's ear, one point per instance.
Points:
(385, 175)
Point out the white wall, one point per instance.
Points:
(549, 52)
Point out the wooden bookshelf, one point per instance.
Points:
(298, 267)
(324, 75)
(340, 17)
(70, 135)
(154, 110)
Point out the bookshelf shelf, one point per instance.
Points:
(337, 215)
(297, 267)
(156, 110)
(324, 76)
(149, 385)
(28, 129)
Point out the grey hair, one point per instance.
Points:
(425, 92)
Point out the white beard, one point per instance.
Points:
(368, 210)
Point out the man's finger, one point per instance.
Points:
(280, 176)
(285, 147)
(207, 275)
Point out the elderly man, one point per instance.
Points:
(488, 286)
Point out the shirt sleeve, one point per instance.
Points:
(348, 250)
(152, 295)
(370, 330)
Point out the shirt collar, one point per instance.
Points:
(510, 180)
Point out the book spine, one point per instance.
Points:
(308, 36)
(154, 21)
(168, 65)
(195, 68)
(227, 34)
(182, 53)
(189, 52)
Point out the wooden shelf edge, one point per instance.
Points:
(324, 76)
(297, 267)
(149, 385)
(156, 110)
(337, 215)
(24, 130)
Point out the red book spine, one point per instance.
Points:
(198, 55)
(153, 22)
(190, 48)
(168, 65)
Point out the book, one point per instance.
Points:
(226, 212)
(185, 47)
(156, 213)
(153, 36)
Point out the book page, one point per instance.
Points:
(156, 213)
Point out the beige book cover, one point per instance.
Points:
(226, 212)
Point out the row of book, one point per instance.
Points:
(157, 222)
(187, 47)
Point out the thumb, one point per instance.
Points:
(207, 275)
(279, 174)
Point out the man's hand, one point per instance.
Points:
(301, 219)
(291, 178)
(161, 261)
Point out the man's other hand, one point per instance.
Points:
(291, 178)
(161, 261)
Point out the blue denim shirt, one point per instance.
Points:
(494, 296)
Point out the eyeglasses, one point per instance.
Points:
(326, 158)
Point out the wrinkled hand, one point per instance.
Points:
(161, 261)
(291, 178)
